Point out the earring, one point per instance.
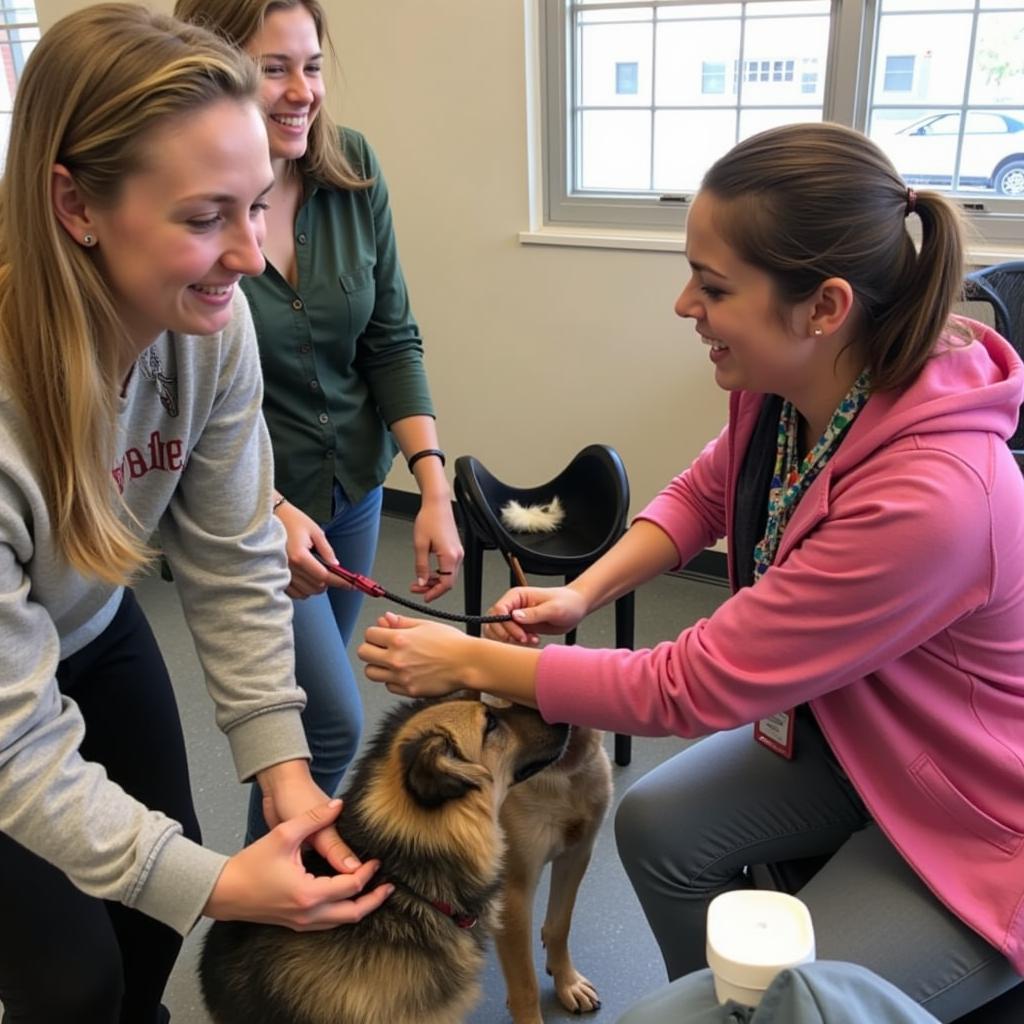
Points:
(88, 240)
(817, 332)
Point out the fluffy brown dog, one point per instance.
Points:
(424, 799)
(554, 817)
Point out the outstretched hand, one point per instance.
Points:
(268, 883)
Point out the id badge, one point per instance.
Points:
(776, 733)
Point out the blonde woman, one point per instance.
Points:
(132, 205)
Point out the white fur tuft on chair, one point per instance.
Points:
(533, 518)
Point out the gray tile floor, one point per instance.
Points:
(611, 943)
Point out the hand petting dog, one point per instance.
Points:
(291, 896)
(299, 814)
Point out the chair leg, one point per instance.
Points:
(625, 620)
(473, 580)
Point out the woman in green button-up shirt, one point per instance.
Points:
(345, 386)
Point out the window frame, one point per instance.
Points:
(9, 25)
(846, 99)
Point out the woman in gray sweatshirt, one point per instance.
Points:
(130, 395)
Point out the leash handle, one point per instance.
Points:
(373, 589)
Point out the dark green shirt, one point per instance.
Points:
(341, 353)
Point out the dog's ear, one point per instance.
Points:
(435, 772)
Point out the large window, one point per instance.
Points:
(939, 84)
(19, 33)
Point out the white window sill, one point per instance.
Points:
(980, 254)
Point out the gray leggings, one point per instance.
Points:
(687, 831)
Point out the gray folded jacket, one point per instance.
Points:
(822, 992)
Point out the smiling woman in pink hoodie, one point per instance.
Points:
(875, 634)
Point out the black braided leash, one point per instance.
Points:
(373, 589)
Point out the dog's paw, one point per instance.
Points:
(576, 993)
(530, 1015)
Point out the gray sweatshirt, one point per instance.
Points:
(192, 459)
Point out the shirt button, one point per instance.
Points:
(305, 348)
(324, 418)
(302, 239)
(329, 454)
(314, 385)
(297, 304)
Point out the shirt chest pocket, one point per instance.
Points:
(359, 289)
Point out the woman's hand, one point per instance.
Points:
(434, 533)
(288, 792)
(267, 881)
(304, 537)
(415, 658)
(535, 610)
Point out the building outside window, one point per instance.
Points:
(626, 78)
(713, 77)
(899, 74)
(939, 84)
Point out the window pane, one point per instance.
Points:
(616, 149)
(993, 152)
(686, 143)
(800, 7)
(924, 148)
(781, 57)
(754, 121)
(710, 65)
(998, 73)
(15, 46)
(683, 49)
(692, 12)
(891, 6)
(931, 92)
(604, 48)
(621, 14)
(940, 50)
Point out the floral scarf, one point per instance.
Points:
(793, 476)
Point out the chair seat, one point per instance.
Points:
(593, 491)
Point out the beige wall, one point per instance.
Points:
(533, 352)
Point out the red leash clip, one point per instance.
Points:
(370, 587)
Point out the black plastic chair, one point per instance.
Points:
(594, 492)
(1001, 286)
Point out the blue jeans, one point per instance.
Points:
(323, 625)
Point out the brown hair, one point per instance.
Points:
(238, 21)
(806, 202)
(94, 88)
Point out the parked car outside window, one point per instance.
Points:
(992, 156)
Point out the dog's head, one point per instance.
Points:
(450, 748)
(436, 758)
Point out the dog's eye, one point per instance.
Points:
(490, 722)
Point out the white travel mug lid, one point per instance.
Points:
(753, 934)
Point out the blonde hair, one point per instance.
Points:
(96, 85)
(806, 202)
(238, 21)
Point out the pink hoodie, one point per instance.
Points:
(895, 607)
